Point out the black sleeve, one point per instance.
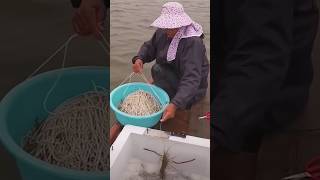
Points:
(257, 49)
(76, 3)
(147, 52)
(191, 60)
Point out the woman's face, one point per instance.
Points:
(171, 32)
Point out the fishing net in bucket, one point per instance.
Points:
(75, 135)
(140, 102)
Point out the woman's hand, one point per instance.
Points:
(87, 19)
(114, 132)
(169, 112)
(137, 67)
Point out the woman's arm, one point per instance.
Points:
(147, 52)
(88, 17)
(192, 60)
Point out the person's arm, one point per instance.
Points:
(191, 60)
(115, 130)
(258, 40)
(147, 52)
(88, 17)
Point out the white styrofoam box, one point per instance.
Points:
(132, 141)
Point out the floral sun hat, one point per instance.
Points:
(173, 16)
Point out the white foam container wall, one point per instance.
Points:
(131, 143)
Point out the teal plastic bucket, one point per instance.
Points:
(23, 104)
(119, 93)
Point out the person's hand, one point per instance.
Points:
(114, 132)
(87, 19)
(169, 112)
(137, 67)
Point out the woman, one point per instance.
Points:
(181, 67)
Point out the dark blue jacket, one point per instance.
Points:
(263, 69)
(191, 65)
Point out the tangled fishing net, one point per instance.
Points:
(140, 103)
(75, 135)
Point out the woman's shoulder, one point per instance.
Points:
(193, 40)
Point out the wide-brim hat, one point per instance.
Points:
(172, 16)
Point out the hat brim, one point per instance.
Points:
(166, 21)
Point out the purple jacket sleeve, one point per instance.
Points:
(191, 65)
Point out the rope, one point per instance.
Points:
(128, 77)
(52, 56)
(64, 46)
(59, 75)
(147, 82)
(105, 48)
(76, 135)
(155, 93)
